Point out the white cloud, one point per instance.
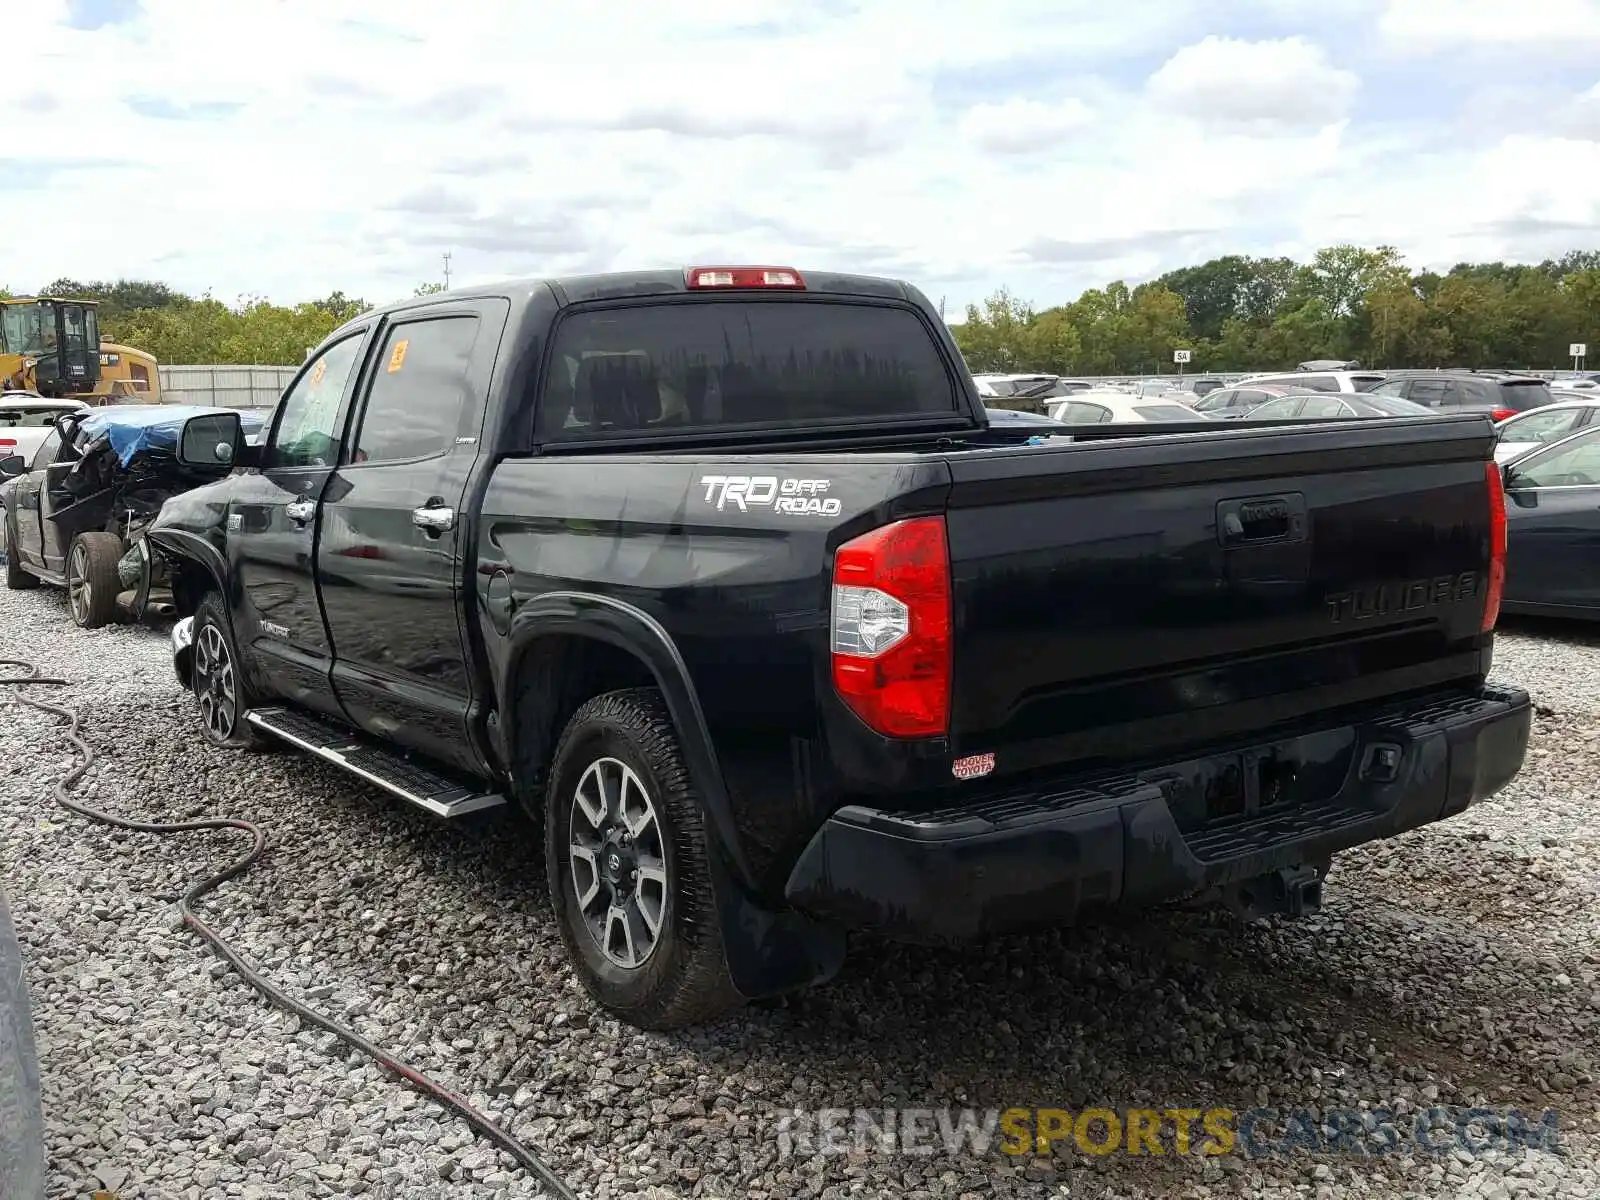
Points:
(1284, 83)
(1020, 126)
(348, 144)
(1439, 24)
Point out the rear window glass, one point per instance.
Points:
(1363, 382)
(1164, 412)
(1523, 394)
(706, 365)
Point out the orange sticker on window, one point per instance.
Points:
(397, 357)
(318, 371)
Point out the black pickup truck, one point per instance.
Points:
(722, 576)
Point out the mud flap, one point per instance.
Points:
(770, 951)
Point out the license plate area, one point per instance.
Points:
(1258, 781)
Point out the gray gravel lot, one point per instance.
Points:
(1457, 965)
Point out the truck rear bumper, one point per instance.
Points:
(1016, 860)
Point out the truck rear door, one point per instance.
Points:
(390, 568)
(1123, 600)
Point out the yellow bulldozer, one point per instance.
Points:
(52, 346)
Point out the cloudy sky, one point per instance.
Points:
(292, 147)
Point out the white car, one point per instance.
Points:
(1118, 408)
(1319, 381)
(1548, 423)
(27, 418)
(992, 386)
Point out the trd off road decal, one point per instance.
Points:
(795, 497)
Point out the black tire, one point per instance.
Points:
(17, 577)
(683, 979)
(217, 681)
(92, 582)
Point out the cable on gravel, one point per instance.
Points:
(71, 722)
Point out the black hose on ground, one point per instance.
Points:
(71, 721)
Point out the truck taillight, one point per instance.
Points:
(890, 628)
(744, 277)
(1497, 545)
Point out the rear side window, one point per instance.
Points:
(1076, 412)
(1435, 393)
(706, 365)
(419, 389)
(1319, 407)
(1523, 394)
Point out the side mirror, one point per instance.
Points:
(13, 465)
(211, 440)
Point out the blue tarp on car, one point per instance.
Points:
(131, 428)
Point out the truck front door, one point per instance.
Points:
(389, 560)
(272, 528)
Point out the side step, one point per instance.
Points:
(422, 786)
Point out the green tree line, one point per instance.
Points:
(1349, 302)
(1233, 313)
(177, 328)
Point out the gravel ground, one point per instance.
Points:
(1457, 965)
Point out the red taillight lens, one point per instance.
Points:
(744, 277)
(891, 628)
(8, 441)
(1497, 545)
(1502, 414)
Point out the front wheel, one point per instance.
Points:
(18, 578)
(625, 851)
(218, 685)
(92, 580)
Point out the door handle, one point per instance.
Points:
(300, 511)
(433, 518)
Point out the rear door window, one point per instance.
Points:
(1076, 412)
(709, 365)
(1317, 406)
(1435, 393)
(419, 390)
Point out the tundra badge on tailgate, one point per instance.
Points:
(797, 497)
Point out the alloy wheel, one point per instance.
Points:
(80, 592)
(618, 862)
(213, 683)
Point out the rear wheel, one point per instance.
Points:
(218, 685)
(625, 852)
(17, 579)
(92, 582)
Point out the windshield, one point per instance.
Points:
(24, 327)
(714, 364)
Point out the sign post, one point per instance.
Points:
(1579, 351)
(1180, 357)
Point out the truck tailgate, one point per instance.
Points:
(1121, 600)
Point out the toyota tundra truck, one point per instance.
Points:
(723, 578)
